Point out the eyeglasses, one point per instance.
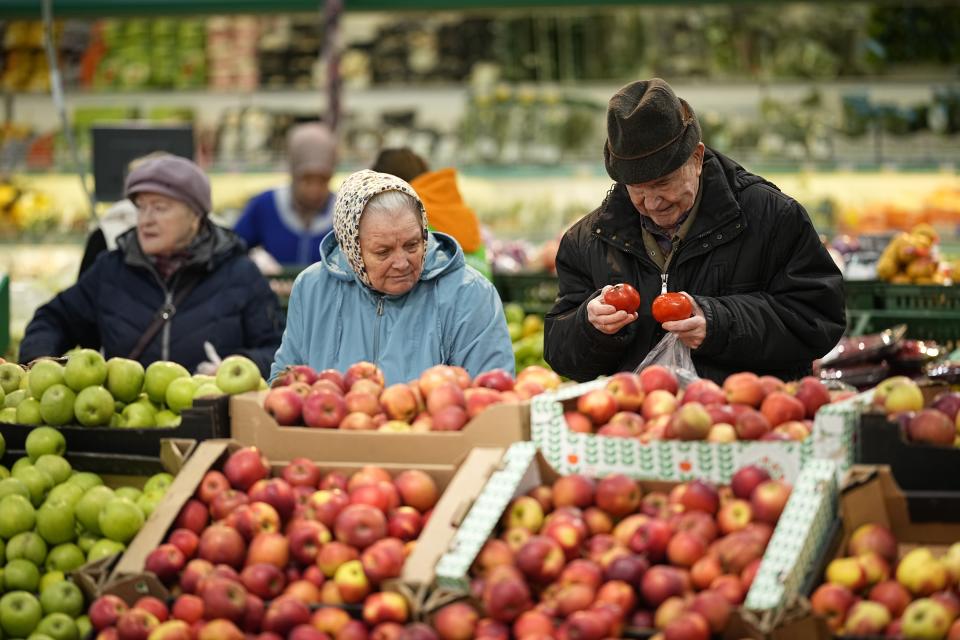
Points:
(156, 210)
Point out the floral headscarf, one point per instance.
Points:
(352, 198)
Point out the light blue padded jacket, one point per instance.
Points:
(452, 316)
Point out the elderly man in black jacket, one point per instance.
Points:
(681, 217)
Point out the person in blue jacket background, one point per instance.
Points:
(290, 221)
(388, 291)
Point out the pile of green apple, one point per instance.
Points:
(117, 392)
(53, 520)
(526, 333)
(875, 591)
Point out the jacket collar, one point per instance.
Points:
(212, 246)
(718, 220)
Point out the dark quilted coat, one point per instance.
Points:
(115, 300)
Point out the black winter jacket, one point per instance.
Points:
(772, 297)
(115, 300)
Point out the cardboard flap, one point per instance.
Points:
(92, 576)
(174, 453)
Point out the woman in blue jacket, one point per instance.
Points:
(175, 266)
(389, 292)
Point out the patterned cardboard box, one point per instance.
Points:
(570, 452)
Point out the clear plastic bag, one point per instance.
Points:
(674, 355)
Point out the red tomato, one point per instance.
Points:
(671, 306)
(624, 297)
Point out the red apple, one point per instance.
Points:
(705, 571)
(136, 624)
(166, 561)
(272, 548)
(930, 426)
(497, 379)
(213, 484)
(701, 496)
(325, 505)
(656, 377)
(751, 425)
(729, 587)
(383, 560)
(105, 611)
(185, 540)
(658, 403)
(505, 595)
(541, 559)
(618, 495)
(449, 418)
(193, 572)
(457, 621)
(358, 421)
(479, 399)
(780, 407)
(301, 472)
(285, 405)
(188, 607)
(219, 544)
(225, 503)
(360, 371)
(360, 525)
(689, 626)
(769, 499)
(306, 538)
(734, 516)
(691, 422)
(685, 548)
(651, 538)
(252, 519)
(746, 479)
(743, 388)
(385, 607)
(224, 598)
(577, 422)
(284, 614)
(699, 523)
(333, 554)
(277, 493)
(573, 490)
(404, 523)
(890, 593)
(244, 467)
(704, 391)
(193, 516)
(417, 489)
(263, 580)
(661, 582)
(628, 568)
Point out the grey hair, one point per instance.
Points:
(392, 202)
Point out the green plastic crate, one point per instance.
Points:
(863, 294)
(913, 297)
(535, 292)
(4, 313)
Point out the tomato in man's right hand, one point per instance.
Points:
(671, 306)
(623, 297)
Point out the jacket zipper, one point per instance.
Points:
(167, 314)
(376, 333)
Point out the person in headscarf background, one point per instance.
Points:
(390, 292)
(289, 222)
(446, 210)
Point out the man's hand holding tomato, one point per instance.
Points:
(680, 314)
(614, 308)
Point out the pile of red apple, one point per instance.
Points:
(869, 592)
(443, 398)
(586, 559)
(938, 424)
(253, 554)
(651, 406)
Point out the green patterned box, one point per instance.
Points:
(675, 460)
(798, 540)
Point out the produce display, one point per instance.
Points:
(53, 520)
(585, 558)
(651, 406)
(251, 553)
(938, 424)
(443, 398)
(878, 589)
(913, 258)
(526, 333)
(118, 392)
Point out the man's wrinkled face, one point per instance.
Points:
(665, 199)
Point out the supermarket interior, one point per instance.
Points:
(236, 401)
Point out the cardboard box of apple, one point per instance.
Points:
(935, 422)
(888, 574)
(53, 520)
(256, 549)
(576, 557)
(443, 398)
(92, 392)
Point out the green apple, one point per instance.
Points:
(3, 396)
(56, 465)
(25, 381)
(86, 539)
(65, 557)
(148, 501)
(124, 379)
(90, 505)
(3, 549)
(115, 419)
(238, 374)
(38, 482)
(158, 377)
(202, 378)
(85, 368)
(137, 416)
(14, 398)
(36, 635)
(28, 412)
(158, 482)
(49, 579)
(3, 445)
(59, 626)
(84, 626)
(93, 406)
(56, 405)
(104, 548)
(20, 613)
(13, 486)
(44, 441)
(62, 596)
(27, 546)
(43, 375)
(67, 493)
(128, 493)
(56, 522)
(263, 386)
(8, 415)
(4, 472)
(10, 375)
(85, 479)
(21, 575)
(166, 418)
(207, 390)
(16, 516)
(20, 463)
(120, 519)
(179, 394)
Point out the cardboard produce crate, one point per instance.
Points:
(818, 529)
(521, 469)
(115, 450)
(676, 460)
(499, 426)
(460, 481)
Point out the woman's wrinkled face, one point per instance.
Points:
(392, 248)
(164, 225)
(667, 198)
